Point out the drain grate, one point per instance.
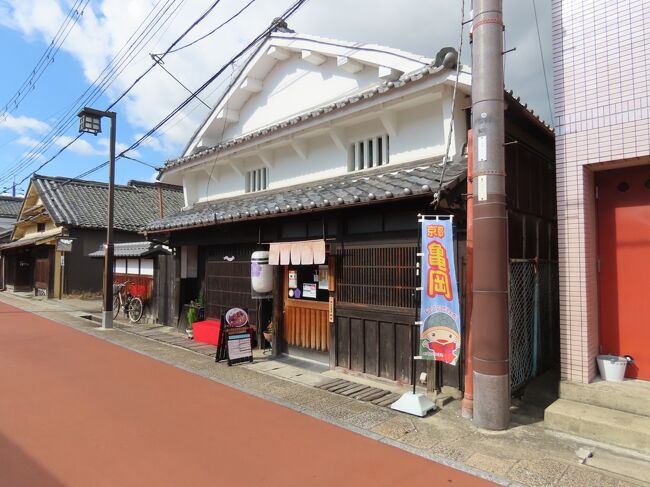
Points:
(360, 392)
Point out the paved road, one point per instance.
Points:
(78, 411)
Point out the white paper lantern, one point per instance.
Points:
(261, 272)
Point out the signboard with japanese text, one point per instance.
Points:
(440, 328)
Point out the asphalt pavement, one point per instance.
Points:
(76, 410)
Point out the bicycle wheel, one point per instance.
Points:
(135, 310)
(116, 306)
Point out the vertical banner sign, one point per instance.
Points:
(439, 303)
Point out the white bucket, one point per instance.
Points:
(612, 367)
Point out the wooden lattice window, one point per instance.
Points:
(378, 275)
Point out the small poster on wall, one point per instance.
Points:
(293, 278)
(323, 277)
(309, 290)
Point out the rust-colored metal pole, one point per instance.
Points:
(467, 405)
(490, 314)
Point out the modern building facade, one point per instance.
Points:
(602, 119)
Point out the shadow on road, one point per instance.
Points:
(18, 469)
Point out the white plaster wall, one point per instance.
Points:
(294, 86)
(420, 135)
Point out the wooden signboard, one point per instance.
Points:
(235, 339)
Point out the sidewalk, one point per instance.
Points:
(523, 455)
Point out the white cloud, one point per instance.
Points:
(422, 27)
(81, 146)
(22, 124)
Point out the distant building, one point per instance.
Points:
(56, 207)
(9, 210)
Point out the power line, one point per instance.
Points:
(141, 162)
(541, 54)
(110, 72)
(161, 63)
(288, 13)
(47, 58)
(453, 104)
(226, 22)
(263, 35)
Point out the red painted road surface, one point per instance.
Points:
(78, 411)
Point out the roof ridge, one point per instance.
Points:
(354, 45)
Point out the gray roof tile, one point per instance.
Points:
(402, 180)
(10, 206)
(79, 203)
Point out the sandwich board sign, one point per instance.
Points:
(235, 340)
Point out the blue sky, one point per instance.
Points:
(27, 27)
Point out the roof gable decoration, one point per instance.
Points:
(383, 64)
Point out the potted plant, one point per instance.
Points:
(200, 306)
(268, 333)
(192, 316)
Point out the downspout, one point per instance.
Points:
(467, 405)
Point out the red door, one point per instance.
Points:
(624, 252)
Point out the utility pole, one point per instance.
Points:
(490, 312)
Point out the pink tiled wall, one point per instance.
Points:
(601, 61)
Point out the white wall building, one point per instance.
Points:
(305, 109)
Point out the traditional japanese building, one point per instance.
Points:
(56, 208)
(324, 153)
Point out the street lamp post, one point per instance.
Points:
(90, 122)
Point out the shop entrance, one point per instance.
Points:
(624, 254)
(306, 304)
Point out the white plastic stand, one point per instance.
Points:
(414, 403)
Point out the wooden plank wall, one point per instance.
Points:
(376, 341)
(307, 326)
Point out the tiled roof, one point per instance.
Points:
(373, 185)
(10, 206)
(131, 249)
(78, 203)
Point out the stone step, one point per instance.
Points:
(623, 429)
(630, 396)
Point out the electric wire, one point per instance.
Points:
(286, 15)
(541, 55)
(98, 90)
(94, 90)
(436, 199)
(46, 59)
(226, 22)
(183, 104)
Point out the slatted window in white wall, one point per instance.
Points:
(257, 180)
(368, 153)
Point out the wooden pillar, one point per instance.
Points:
(174, 274)
(278, 305)
(331, 325)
